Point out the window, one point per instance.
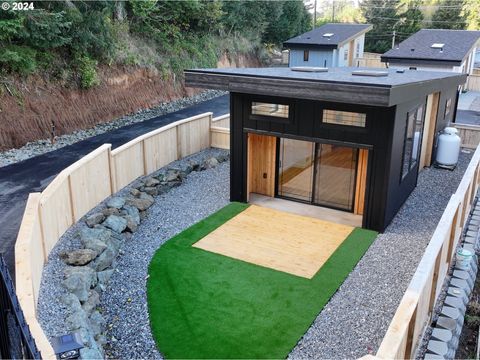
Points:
(267, 109)
(306, 53)
(448, 107)
(344, 118)
(345, 55)
(357, 51)
(413, 138)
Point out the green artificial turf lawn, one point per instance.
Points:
(205, 305)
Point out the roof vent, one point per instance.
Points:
(328, 35)
(375, 73)
(437, 46)
(309, 69)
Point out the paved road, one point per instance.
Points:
(32, 175)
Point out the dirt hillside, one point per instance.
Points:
(30, 109)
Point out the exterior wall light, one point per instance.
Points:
(67, 346)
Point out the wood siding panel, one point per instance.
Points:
(261, 160)
(361, 184)
(429, 130)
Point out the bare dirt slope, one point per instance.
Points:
(34, 108)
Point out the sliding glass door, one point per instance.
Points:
(295, 175)
(320, 174)
(335, 174)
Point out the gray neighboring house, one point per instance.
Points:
(330, 45)
(437, 50)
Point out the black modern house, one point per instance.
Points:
(349, 139)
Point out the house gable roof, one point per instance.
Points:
(457, 44)
(341, 33)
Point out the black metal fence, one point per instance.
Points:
(16, 341)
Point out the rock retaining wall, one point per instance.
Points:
(90, 267)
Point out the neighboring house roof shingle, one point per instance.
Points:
(457, 45)
(341, 33)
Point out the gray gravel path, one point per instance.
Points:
(356, 319)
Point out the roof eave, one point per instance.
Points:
(419, 61)
(300, 89)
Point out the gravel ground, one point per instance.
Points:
(39, 147)
(356, 318)
(351, 325)
(200, 194)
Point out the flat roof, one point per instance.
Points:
(337, 84)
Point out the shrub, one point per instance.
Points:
(20, 59)
(87, 71)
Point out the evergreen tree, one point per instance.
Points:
(449, 15)
(383, 15)
(293, 20)
(411, 20)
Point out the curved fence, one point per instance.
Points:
(84, 184)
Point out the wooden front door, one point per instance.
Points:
(261, 164)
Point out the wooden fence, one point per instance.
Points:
(415, 309)
(369, 60)
(470, 135)
(473, 82)
(220, 132)
(84, 184)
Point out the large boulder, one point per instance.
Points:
(104, 276)
(115, 223)
(92, 302)
(133, 213)
(105, 259)
(78, 257)
(131, 224)
(97, 323)
(79, 280)
(95, 239)
(95, 219)
(116, 202)
(141, 203)
(151, 182)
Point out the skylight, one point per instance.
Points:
(437, 46)
(328, 35)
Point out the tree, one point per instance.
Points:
(472, 14)
(383, 15)
(411, 19)
(449, 15)
(293, 20)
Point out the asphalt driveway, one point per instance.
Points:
(33, 175)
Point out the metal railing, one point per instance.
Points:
(16, 341)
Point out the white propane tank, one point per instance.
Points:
(448, 147)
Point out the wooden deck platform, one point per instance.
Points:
(286, 242)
